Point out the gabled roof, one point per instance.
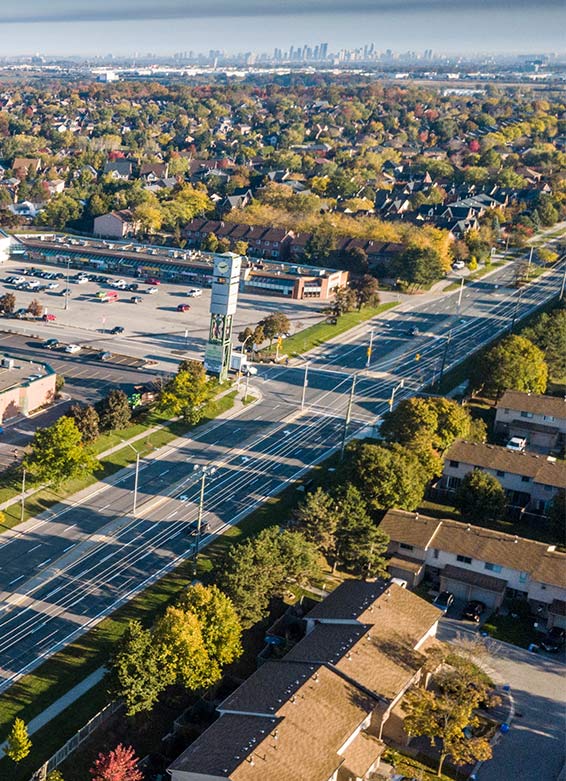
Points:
(535, 403)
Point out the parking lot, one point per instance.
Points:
(163, 326)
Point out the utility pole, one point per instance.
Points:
(136, 475)
(305, 384)
(247, 386)
(459, 304)
(348, 416)
(23, 502)
(529, 264)
(370, 349)
(204, 472)
(563, 286)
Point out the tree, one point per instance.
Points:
(35, 308)
(418, 265)
(136, 670)
(7, 303)
(513, 364)
(57, 453)
(392, 476)
(150, 216)
(355, 260)
(60, 210)
(549, 334)
(219, 622)
(187, 393)
(321, 244)
(480, 497)
(367, 291)
(114, 411)
(86, 420)
(317, 518)
(182, 651)
(241, 247)
(121, 764)
(345, 299)
(433, 421)
(274, 325)
(54, 775)
(210, 243)
(18, 742)
(257, 569)
(360, 545)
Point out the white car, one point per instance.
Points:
(458, 265)
(53, 286)
(82, 280)
(152, 291)
(518, 444)
(194, 292)
(72, 348)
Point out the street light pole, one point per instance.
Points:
(370, 348)
(348, 416)
(305, 383)
(516, 309)
(444, 356)
(529, 263)
(563, 286)
(393, 392)
(205, 471)
(459, 304)
(136, 475)
(67, 283)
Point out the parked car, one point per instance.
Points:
(73, 348)
(194, 292)
(183, 307)
(554, 640)
(458, 265)
(49, 318)
(473, 611)
(152, 281)
(51, 344)
(53, 286)
(136, 299)
(104, 356)
(444, 600)
(151, 291)
(518, 444)
(21, 313)
(118, 329)
(133, 287)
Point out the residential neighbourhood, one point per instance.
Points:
(282, 392)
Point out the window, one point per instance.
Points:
(492, 567)
(455, 464)
(404, 546)
(500, 473)
(435, 553)
(523, 577)
(526, 414)
(525, 479)
(464, 559)
(453, 482)
(550, 418)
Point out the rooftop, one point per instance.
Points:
(535, 403)
(21, 372)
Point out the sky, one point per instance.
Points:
(99, 27)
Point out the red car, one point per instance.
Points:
(183, 307)
(152, 281)
(48, 318)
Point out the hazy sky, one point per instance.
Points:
(164, 26)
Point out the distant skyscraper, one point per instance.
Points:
(323, 51)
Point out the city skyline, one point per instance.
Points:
(123, 27)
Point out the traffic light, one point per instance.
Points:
(417, 357)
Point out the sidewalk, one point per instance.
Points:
(62, 703)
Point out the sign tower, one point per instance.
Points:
(223, 303)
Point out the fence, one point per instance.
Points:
(73, 743)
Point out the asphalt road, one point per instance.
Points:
(59, 577)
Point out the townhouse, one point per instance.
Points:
(477, 563)
(116, 224)
(324, 711)
(530, 481)
(540, 419)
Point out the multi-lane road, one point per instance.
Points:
(61, 573)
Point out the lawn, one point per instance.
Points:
(33, 693)
(516, 627)
(412, 768)
(318, 334)
(47, 497)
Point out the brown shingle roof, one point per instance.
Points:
(539, 468)
(536, 403)
(539, 560)
(362, 753)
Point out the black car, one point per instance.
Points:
(51, 344)
(414, 331)
(192, 528)
(554, 640)
(133, 287)
(117, 330)
(473, 611)
(444, 600)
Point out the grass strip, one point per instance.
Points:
(481, 272)
(47, 497)
(318, 334)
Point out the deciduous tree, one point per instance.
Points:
(367, 291)
(18, 744)
(136, 671)
(35, 308)
(86, 420)
(274, 325)
(480, 497)
(114, 411)
(219, 622)
(121, 764)
(513, 364)
(7, 303)
(57, 453)
(181, 649)
(187, 393)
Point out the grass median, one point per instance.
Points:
(168, 431)
(318, 334)
(35, 692)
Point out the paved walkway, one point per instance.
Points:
(62, 703)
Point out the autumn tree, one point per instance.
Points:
(114, 411)
(182, 651)
(219, 622)
(86, 420)
(120, 764)
(57, 453)
(548, 333)
(345, 300)
(7, 303)
(35, 308)
(274, 325)
(513, 364)
(367, 290)
(187, 392)
(18, 743)
(418, 265)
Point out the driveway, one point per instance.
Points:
(534, 746)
